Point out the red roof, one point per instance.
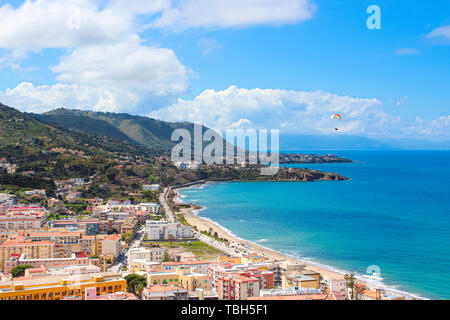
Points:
(113, 237)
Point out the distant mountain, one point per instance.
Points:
(348, 142)
(136, 130)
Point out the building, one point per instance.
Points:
(147, 254)
(111, 245)
(184, 256)
(163, 230)
(6, 202)
(16, 260)
(22, 218)
(200, 266)
(91, 294)
(182, 276)
(238, 282)
(202, 294)
(144, 266)
(58, 287)
(90, 226)
(73, 196)
(20, 245)
(164, 292)
(303, 279)
(226, 258)
(151, 187)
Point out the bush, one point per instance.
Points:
(19, 271)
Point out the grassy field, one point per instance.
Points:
(205, 251)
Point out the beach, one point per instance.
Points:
(203, 224)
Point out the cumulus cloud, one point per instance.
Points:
(186, 14)
(70, 23)
(291, 111)
(116, 77)
(30, 98)
(125, 64)
(441, 32)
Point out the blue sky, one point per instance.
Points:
(236, 63)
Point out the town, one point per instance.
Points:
(115, 249)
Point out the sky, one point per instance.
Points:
(272, 64)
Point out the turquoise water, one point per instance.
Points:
(393, 213)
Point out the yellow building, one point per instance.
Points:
(31, 249)
(181, 277)
(141, 265)
(57, 287)
(300, 280)
(225, 258)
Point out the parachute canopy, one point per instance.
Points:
(337, 115)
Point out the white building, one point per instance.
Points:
(147, 254)
(162, 230)
(151, 187)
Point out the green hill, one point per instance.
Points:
(136, 130)
(27, 133)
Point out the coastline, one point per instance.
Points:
(327, 272)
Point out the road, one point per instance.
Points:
(122, 260)
(169, 213)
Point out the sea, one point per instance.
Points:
(390, 223)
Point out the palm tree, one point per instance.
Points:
(351, 280)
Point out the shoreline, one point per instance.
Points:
(327, 272)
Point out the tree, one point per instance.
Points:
(351, 280)
(127, 236)
(165, 257)
(135, 283)
(171, 238)
(19, 271)
(113, 231)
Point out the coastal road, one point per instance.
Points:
(169, 213)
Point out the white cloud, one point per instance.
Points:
(70, 23)
(116, 77)
(407, 51)
(233, 13)
(126, 64)
(30, 98)
(441, 32)
(299, 112)
(401, 101)
(291, 111)
(431, 128)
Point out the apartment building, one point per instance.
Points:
(58, 287)
(164, 292)
(239, 282)
(147, 254)
(163, 230)
(17, 260)
(21, 245)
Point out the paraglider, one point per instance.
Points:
(337, 115)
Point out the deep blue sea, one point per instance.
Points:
(393, 213)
